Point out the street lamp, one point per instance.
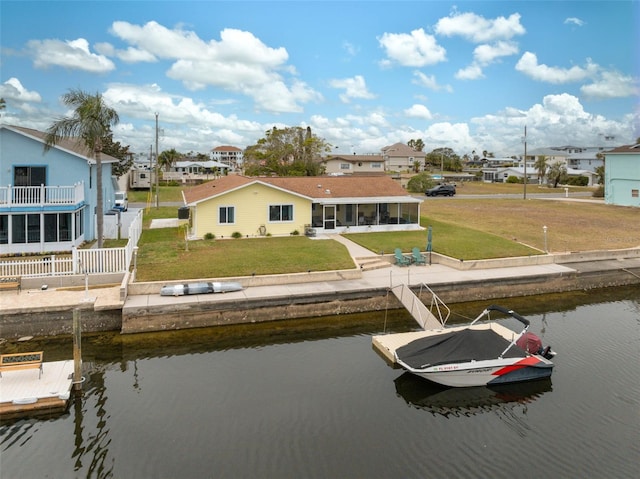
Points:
(544, 230)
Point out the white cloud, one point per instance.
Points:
(72, 54)
(478, 29)
(418, 111)
(354, 88)
(612, 85)
(13, 90)
(528, 64)
(417, 49)
(486, 54)
(239, 63)
(574, 21)
(472, 72)
(130, 55)
(429, 81)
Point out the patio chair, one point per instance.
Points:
(418, 257)
(401, 260)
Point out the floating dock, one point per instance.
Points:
(29, 393)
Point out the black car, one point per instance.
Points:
(441, 190)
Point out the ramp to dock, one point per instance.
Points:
(423, 315)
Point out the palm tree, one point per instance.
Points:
(541, 167)
(91, 121)
(168, 158)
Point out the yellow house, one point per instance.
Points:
(309, 205)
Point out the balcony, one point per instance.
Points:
(41, 196)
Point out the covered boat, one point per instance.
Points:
(478, 354)
(200, 288)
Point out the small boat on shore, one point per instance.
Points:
(478, 354)
(200, 288)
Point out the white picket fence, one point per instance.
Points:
(81, 261)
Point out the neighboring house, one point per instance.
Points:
(400, 157)
(281, 205)
(229, 155)
(622, 176)
(47, 200)
(354, 164)
(500, 175)
(195, 170)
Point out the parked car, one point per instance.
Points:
(441, 190)
(122, 201)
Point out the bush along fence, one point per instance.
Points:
(81, 261)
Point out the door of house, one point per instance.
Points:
(329, 217)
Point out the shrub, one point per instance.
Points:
(295, 233)
(513, 179)
(599, 192)
(209, 236)
(236, 235)
(420, 183)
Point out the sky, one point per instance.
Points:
(468, 75)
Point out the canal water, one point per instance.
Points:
(311, 399)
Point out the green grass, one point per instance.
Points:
(163, 256)
(447, 239)
(165, 194)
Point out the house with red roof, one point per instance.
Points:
(259, 206)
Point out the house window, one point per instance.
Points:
(30, 176)
(635, 194)
(57, 227)
(227, 215)
(345, 166)
(79, 224)
(376, 165)
(4, 229)
(280, 213)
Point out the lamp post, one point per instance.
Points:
(544, 230)
(525, 162)
(157, 163)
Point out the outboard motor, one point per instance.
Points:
(530, 343)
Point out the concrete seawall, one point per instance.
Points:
(46, 313)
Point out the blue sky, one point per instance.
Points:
(468, 75)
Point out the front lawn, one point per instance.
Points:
(163, 256)
(447, 239)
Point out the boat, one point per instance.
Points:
(478, 354)
(200, 288)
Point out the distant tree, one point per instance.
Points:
(541, 167)
(416, 166)
(417, 145)
(122, 153)
(168, 158)
(600, 172)
(557, 173)
(91, 121)
(291, 151)
(3, 104)
(444, 158)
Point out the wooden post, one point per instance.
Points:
(77, 350)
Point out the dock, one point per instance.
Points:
(387, 344)
(29, 393)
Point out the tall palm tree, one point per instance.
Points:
(91, 121)
(541, 167)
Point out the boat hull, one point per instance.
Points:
(200, 288)
(486, 373)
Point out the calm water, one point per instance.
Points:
(313, 400)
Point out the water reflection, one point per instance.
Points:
(437, 399)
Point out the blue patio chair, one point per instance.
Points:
(401, 260)
(418, 257)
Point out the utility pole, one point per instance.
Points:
(525, 162)
(157, 163)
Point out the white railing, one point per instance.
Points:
(41, 195)
(81, 261)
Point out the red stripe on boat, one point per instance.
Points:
(523, 363)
